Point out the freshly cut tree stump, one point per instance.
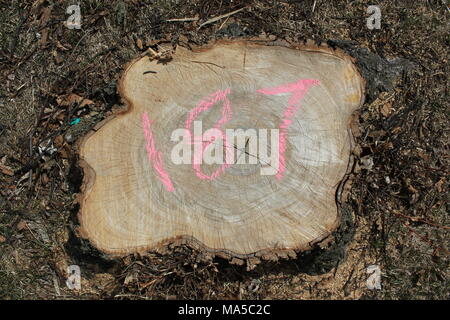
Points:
(144, 186)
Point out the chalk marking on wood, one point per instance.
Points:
(298, 89)
(199, 145)
(155, 156)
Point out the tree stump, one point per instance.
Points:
(162, 171)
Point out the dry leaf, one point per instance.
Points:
(22, 225)
(2, 239)
(6, 170)
(152, 43)
(367, 163)
(129, 278)
(357, 150)
(65, 152)
(396, 130)
(61, 47)
(183, 39)
(45, 179)
(412, 189)
(139, 44)
(36, 6)
(61, 267)
(69, 99)
(58, 59)
(59, 141)
(346, 190)
(356, 131)
(386, 109)
(45, 17)
(439, 184)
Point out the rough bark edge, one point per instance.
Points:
(251, 259)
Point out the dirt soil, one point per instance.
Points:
(57, 83)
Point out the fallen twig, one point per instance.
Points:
(182, 19)
(426, 239)
(414, 219)
(446, 6)
(220, 17)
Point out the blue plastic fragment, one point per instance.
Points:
(75, 121)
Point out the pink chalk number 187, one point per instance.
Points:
(298, 90)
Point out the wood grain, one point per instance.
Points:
(125, 206)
